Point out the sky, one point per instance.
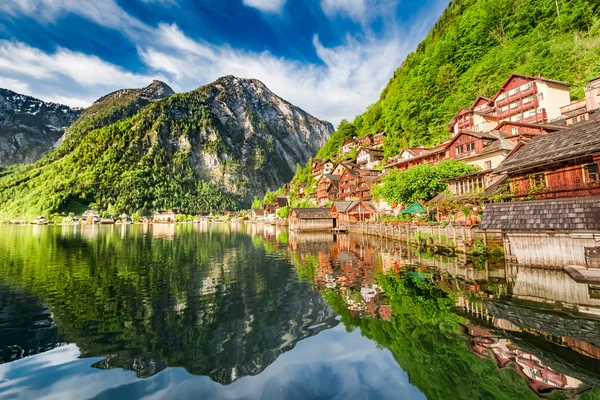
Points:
(330, 57)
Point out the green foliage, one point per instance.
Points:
(345, 130)
(421, 182)
(471, 51)
(425, 339)
(126, 166)
(270, 197)
(283, 212)
(257, 203)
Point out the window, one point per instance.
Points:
(582, 118)
(518, 117)
(539, 111)
(515, 130)
(471, 146)
(460, 150)
(527, 99)
(540, 96)
(531, 113)
(528, 86)
(538, 180)
(487, 165)
(591, 173)
(515, 104)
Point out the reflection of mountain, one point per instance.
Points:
(26, 327)
(216, 304)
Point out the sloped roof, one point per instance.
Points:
(332, 177)
(312, 213)
(530, 78)
(282, 201)
(581, 140)
(371, 179)
(341, 206)
(575, 213)
(498, 145)
(414, 208)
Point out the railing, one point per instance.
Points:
(552, 192)
(516, 96)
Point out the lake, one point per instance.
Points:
(254, 312)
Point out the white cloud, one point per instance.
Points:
(348, 77)
(270, 6)
(64, 76)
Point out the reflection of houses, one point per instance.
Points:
(310, 219)
(559, 164)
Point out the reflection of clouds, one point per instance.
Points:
(333, 364)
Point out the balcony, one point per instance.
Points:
(541, 117)
(517, 96)
(521, 109)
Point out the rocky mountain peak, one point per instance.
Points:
(157, 90)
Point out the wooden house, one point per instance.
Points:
(364, 186)
(479, 117)
(485, 150)
(327, 188)
(165, 216)
(348, 183)
(559, 164)
(516, 131)
(348, 145)
(342, 166)
(281, 202)
(432, 156)
(378, 140)
(365, 141)
(352, 211)
(320, 167)
(311, 219)
(369, 158)
(257, 214)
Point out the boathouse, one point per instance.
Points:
(352, 211)
(551, 233)
(559, 164)
(311, 219)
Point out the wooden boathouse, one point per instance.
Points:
(550, 233)
(311, 219)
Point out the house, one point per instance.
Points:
(165, 216)
(432, 156)
(269, 210)
(369, 158)
(516, 131)
(352, 211)
(530, 99)
(584, 110)
(281, 202)
(301, 187)
(560, 164)
(311, 219)
(342, 166)
(39, 220)
(479, 117)
(327, 188)
(378, 140)
(348, 183)
(348, 145)
(485, 150)
(257, 214)
(320, 167)
(364, 186)
(91, 216)
(365, 141)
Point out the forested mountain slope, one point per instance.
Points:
(471, 50)
(208, 150)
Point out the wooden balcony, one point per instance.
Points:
(517, 96)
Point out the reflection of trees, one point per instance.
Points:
(425, 339)
(213, 303)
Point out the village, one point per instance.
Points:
(528, 142)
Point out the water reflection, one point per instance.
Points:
(538, 323)
(228, 301)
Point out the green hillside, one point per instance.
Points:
(471, 50)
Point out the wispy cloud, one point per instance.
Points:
(348, 77)
(270, 6)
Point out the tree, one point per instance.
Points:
(421, 182)
(257, 203)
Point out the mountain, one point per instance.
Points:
(211, 149)
(471, 50)
(30, 127)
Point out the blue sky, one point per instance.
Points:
(330, 57)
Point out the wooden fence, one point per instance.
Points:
(458, 238)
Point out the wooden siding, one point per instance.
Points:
(461, 141)
(298, 224)
(564, 179)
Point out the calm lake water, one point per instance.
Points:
(238, 312)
